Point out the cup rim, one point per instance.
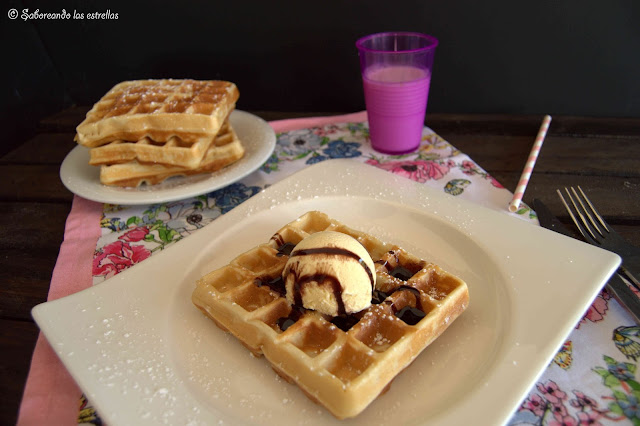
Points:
(433, 42)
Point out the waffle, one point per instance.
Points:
(158, 109)
(174, 152)
(345, 362)
(225, 150)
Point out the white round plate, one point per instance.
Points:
(83, 179)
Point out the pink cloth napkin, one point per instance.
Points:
(51, 396)
(303, 123)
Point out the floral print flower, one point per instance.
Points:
(314, 144)
(185, 217)
(597, 310)
(271, 165)
(171, 211)
(229, 197)
(194, 219)
(582, 401)
(335, 149)
(621, 371)
(326, 130)
(191, 223)
(551, 392)
(563, 421)
(298, 143)
(468, 167)
(316, 158)
(535, 404)
(358, 128)
(135, 235)
(112, 223)
(551, 407)
(342, 149)
(559, 410)
(116, 257)
(494, 182)
(589, 418)
(630, 407)
(419, 171)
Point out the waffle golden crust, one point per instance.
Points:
(174, 152)
(159, 110)
(225, 150)
(345, 362)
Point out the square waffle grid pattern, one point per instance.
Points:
(158, 109)
(342, 370)
(226, 149)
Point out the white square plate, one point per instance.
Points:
(143, 354)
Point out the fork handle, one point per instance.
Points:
(625, 296)
(626, 274)
(631, 263)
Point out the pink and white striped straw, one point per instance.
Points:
(528, 167)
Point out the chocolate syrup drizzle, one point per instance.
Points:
(285, 322)
(336, 251)
(401, 272)
(285, 249)
(276, 284)
(278, 239)
(299, 282)
(345, 322)
(408, 314)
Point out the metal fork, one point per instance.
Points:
(596, 231)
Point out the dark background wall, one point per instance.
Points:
(538, 57)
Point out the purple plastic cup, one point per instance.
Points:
(396, 74)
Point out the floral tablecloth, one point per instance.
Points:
(592, 379)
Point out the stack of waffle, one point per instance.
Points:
(148, 130)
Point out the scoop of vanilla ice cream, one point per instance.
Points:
(330, 272)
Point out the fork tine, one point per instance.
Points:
(594, 210)
(578, 224)
(594, 226)
(583, 220)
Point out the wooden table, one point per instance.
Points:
(600, 154)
